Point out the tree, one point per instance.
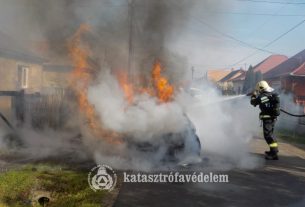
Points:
(249, 80)
(258, 76)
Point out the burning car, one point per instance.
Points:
(171, 146)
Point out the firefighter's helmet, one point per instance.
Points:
(263, 86)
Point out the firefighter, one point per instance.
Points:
(269, 104)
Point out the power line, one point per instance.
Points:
(215, 65)
(285, 33)
(258, 14)
(224, 34)
(245, 43)
(272, 41)
(274, 2)
(277, 11)
(267, 20)
(230, 36)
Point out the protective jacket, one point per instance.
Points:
(269, 104)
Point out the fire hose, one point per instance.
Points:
(290, 114)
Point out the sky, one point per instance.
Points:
(255, 23)
(217, 34)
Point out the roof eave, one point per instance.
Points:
(294, 75)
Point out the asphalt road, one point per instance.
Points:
(273, 183)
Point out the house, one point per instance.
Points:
(296, 83)
(238, 82)
(289, 77)
(54, 77)
(217, 75)
(23, 70)
(20, 69)
(56, 70)
(269, 63)
(278, 76)
(233, 82)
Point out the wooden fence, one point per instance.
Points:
(42, 110)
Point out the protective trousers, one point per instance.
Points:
(268, 127)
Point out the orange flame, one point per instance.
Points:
(164, 90)
(126, 86)
(81, 77)
(160, 87)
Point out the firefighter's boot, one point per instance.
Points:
(272, 154)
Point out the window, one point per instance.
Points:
(23, 76)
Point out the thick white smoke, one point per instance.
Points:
(160, 30)
(34, 145)
(144, 119)
(286, 122)
(225, 127)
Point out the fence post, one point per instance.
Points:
(20, 107)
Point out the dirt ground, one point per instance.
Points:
(274, 183)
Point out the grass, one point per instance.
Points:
(290, 136)
(66, 187)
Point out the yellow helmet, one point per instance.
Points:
(263, 86)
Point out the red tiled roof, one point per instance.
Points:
(216, 75)
(300, 71)
(287, 67)
(234, 76)
(269, 63)
(241, 77)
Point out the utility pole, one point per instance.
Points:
(193, 71)
(130, 41)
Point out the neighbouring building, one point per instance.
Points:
(216, 75)
(233, 82)
(55, 77)
(23, 70)
(256, 73)
(238, 82)
(289, 77)
(296, 83)
(269, 63)
(19, 68)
